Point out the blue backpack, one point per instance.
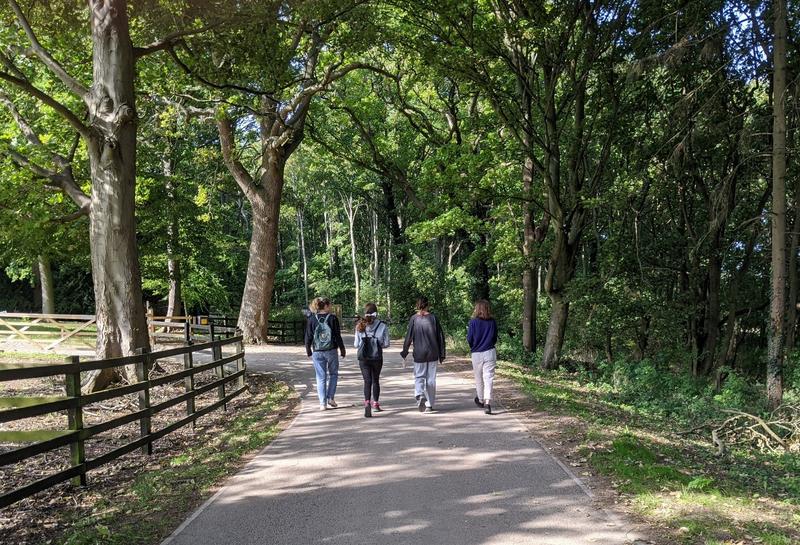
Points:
(323, 336)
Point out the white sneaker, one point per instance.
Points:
(322, 407)
(332, 403)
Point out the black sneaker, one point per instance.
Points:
(367, 410)
(478, 402)
(488, 409)
(421, 405)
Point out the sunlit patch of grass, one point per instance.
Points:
(670, 479)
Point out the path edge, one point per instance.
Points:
(197, 512)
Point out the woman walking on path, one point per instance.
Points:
(482, 338)
(425, 333)
(372, 336)
(324, 336)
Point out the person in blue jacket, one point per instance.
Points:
(482, 338)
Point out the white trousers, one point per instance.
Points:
(483, 364)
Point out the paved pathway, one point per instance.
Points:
(452, 477)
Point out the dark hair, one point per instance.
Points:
(482, 310)
(369, 308)
(319, 303)
(422, 303)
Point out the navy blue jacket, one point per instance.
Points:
(481, 334)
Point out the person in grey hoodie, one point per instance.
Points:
(372, 336)
(425, 333)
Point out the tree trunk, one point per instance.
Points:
(301, 229)
(376, 271)
(351, 209)
(530, 295)
(711, 327)
(778, 284)
(46, 285)
(173, 261)
(261, 267)
(555, 331)
(121, 324)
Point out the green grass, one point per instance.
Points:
(669, 479)
(158, 500)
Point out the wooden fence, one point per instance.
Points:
(286, 331)
(47, 331)
(17, 408)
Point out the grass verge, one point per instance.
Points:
(147, 509)
(667, 479)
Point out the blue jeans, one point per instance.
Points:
(326, 366)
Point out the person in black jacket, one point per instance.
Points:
(425, 333)
(323, 338)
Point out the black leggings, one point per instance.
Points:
(371, 371)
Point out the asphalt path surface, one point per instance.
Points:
(452, 477)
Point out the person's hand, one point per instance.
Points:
(308, 353)
(343, 353)
(441, 360)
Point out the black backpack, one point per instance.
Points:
(371, 348)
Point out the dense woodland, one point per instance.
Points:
(602, 170)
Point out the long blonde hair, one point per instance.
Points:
(319, 303)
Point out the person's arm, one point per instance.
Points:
(385, 340)
(358, 334)
(440, 335)
(337, 335)
(470, 333)
(407, 341)
(494, 333)
(309, 336)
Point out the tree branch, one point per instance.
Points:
(237, 170)
(170, 40)
(72, 84)
(62, 110)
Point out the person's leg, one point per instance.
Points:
(366, 373)
(489, 365)
(430, 383)
(320, 366)
(477, 370)
(333, 372)
(376, 380)
(420, 369)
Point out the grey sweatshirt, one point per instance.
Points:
(382, 333)
(425, 333)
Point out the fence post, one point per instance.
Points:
(240, 363)
(143, 375)
(216, 355)
(75, 420)
(188, 382)
(211, 329)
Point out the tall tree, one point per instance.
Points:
(777, 323)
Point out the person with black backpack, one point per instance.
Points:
(324, 336)
(372, 336)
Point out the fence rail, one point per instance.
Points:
(47, 331)
(228, 369)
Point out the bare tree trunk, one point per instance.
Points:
(119, 309)
(173, 260)
(555, 331)
(46, 285)
(301, 229)
(530, 294)
(351, 209)
(376, 272)
(711, 326)
(778, 285)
